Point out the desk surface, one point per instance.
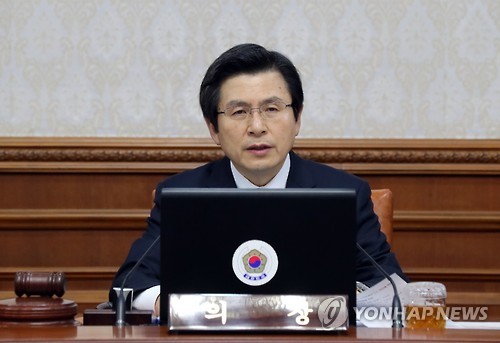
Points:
(160, 334)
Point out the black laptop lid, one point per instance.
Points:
(260, 241)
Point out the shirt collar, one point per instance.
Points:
(279, 181)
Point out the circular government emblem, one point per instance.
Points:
(255, 263)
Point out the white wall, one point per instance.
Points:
(371, 69)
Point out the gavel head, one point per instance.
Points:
(45, 284)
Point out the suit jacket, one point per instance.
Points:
(303, 174)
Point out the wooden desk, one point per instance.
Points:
(160, 334)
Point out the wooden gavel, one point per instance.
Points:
(45, 284)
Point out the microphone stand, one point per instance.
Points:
(397, 317)
(120, 301)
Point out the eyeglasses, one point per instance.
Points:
(268, 110)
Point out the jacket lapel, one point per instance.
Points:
(299, 176)
(221, 176)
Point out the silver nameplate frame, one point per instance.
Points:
(250, 312)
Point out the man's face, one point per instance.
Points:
(256, 146)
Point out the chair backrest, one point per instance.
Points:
(383, 206)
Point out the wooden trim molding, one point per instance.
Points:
(73, 219)
(73, 273)
(447, 221)
(455, 274)
(86, 274)
(108, 273)
(135, 219)
(153, 154)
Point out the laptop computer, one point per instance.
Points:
(293, 241)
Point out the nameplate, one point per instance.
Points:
(250, 312)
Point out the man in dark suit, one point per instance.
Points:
(252, 101)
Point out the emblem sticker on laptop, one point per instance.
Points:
(255, 263)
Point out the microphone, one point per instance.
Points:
(397, 319)
(120, 301)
